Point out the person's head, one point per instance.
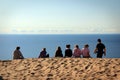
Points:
(17, 48)
(86, 46)
(68, 46)
(59, 48)
(76, 46)
(99, 40)
(44, 49)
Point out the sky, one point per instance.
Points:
(59, 16)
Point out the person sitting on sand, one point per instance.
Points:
(58, 52)
(43, 53)
(76, 51)
(17, 54)
(68, 51)
(100, 49)
(85, 51)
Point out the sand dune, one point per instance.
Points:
(60, 69)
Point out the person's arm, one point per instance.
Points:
(73, 55)
(21, 56)
(104, 51)
(45, 54)
(89, 53)
(56, 54)
(61, 54)
(82, 52)
(95, 50)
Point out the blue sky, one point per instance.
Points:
(59, 16)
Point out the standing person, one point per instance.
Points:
(76, 51)
(43, 53)
(17, 54)
(85, 51)
(68, 51)
(100, 49)
(58, 52)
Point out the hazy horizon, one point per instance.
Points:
(59, 16)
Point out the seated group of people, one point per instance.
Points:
(68, 52)
(77, 53)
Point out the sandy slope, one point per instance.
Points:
(60, 69)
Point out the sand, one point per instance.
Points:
(61, 69)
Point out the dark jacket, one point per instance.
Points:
(68, 53)
(58, 53)
(17, 55)
(42, 54)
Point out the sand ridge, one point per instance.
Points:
(61, 69)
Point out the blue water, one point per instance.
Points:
(31, 45)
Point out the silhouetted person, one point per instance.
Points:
(68, 51)
(76, 51)
(58, 52)
(85, 51)
(17, 54)
(43, 53)
(100, 49)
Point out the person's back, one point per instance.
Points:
(43, 53)
(100, 49)
(76, 51)
(68, 51)
(17, 54)
(85, 51)
(58, 52)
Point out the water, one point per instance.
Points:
(31, 45)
